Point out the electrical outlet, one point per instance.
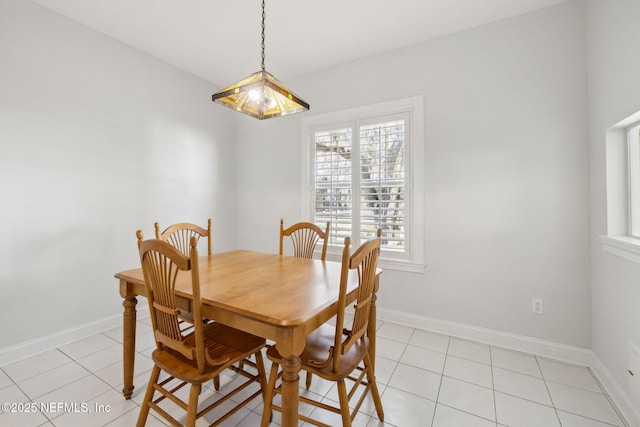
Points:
(537, 306)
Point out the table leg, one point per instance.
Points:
(129, 343)
(371, 331)
(290, 391)
(371, 327)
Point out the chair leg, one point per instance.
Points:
(216, 382)
(144, 410)
(374, 387)
(268, 395)
(262, 374)
(344, 404)
(192, 406)
(309, 378)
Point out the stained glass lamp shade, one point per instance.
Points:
(262, 96)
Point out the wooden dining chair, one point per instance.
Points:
(179, 235)
(304, 238)
(198, 356)
(185, 314)
(339, 353)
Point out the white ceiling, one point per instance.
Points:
(219, 40)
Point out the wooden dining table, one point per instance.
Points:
(278, 297)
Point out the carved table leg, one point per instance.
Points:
(290, 392)
(129, 343)
(371, 328)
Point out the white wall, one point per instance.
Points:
(506, 171)
(614, 94)
(96, 141)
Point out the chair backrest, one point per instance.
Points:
(162, 265)
(365, 261)
(305, 237)
(179, 235)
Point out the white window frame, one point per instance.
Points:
(620, 178)
(414, 184)
(633, 147)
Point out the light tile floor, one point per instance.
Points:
(425, 379)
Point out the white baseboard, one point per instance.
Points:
(553, 350)
(32, 347)
(539, 347)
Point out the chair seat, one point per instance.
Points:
(220, 341)
(317, 347)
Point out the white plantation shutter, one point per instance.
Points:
(333, 174)
(382, 182)
(359, 180)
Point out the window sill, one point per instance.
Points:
(389, 263)
(622, 246)
(401, 265)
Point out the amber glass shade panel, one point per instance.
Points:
(262, 96)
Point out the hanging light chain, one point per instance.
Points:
(263, 16)
(260, 95)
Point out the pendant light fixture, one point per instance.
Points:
(261, 95)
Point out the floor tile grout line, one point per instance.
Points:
(467, 412)
(96, 376)
(468, 358)
(526, 399)
(516, 372)
(493, 386)
(58, 349)
(35, 375)
(556, 408)
(472, 383)
(58, 388)
(12, 381)
(411, 393)
(576, 388)
(90, 373)
(115, 342)
(121, 415)
(589, 418)
(444, 364)
(442, 374)
(31, 400)
(546, 386)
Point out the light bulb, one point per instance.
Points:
(254, 95)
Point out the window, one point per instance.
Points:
(633, 144)
(623, 189)
(359, 180)
(362, 176)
